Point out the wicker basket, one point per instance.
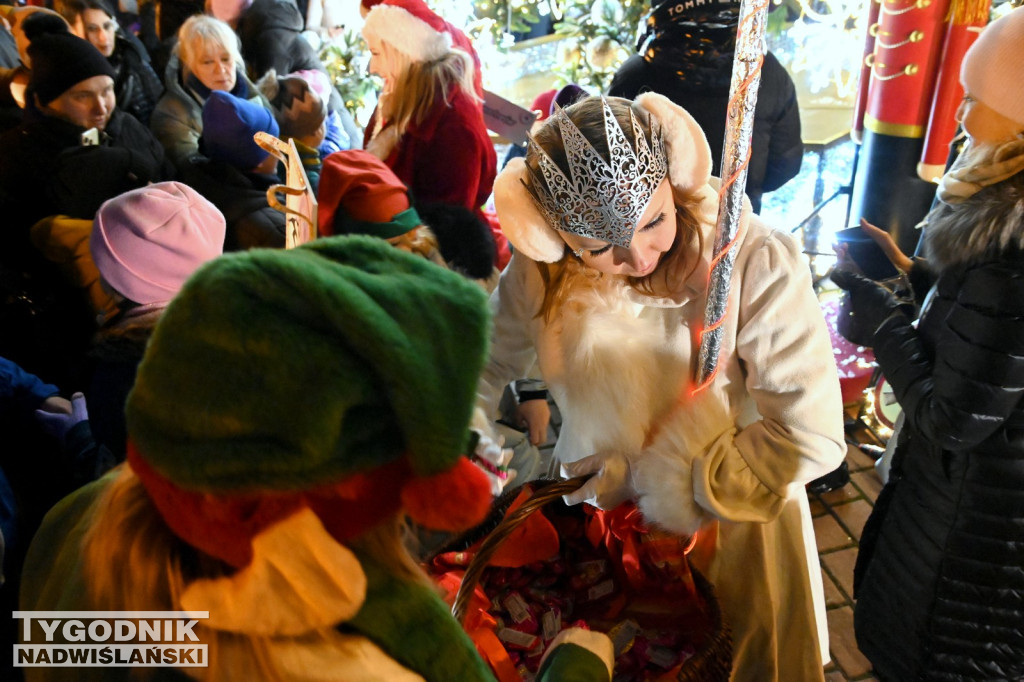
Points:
(712, 661)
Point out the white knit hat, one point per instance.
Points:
(410, 27)
(991, 70)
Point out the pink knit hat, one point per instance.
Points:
(148, 241)
(991, 71)
(410, 27)
(227, 10)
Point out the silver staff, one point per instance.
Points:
(746, 77)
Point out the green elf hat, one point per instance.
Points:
(338, 376)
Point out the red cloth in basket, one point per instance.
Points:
(607, 572)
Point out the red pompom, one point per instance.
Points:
(456, 499)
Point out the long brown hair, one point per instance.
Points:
(561, 276)
(419, 85)
(132, 561)
(129, 538)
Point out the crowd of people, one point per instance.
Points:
(197, 418)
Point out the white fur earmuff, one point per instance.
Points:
(689, 164)
(689, 155)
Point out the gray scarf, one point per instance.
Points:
(979, 167)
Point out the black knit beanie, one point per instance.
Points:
(60, 61)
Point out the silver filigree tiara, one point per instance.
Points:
(600, 199)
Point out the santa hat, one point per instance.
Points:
(148, 241)
(542, 103)
(545, 102)
(359, 194)
(337, 377)
(990, 71)
(410, 27)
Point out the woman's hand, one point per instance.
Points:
(57, 415)
(534, 416)
(888, 245)
(871, 302)
(611, 484)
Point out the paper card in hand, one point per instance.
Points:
(507, 119)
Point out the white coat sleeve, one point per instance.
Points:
(789, 371)
(514, 305)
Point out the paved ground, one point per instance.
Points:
(839, 516)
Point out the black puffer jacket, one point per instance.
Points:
(45, 170)
(776, 146)
(137, 86)
(940, 575)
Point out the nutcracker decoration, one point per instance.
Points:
(966, 19)
(857, 133)
(909, 39)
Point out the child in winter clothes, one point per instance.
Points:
(360, 195)
(611, 215)
(301, 115)
(278, 514)
(237, 172)
(341, 131)
(145, 244)
(940, 558)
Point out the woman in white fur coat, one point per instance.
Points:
(606, 290)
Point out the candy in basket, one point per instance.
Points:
(539, 566)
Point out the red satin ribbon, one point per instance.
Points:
(619, 531)
(493, 651)
(481, 626)
(646, 558)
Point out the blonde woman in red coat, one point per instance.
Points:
(428, 126)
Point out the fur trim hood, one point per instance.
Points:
(985, 226)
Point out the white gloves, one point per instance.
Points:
(611, 486)
(494, 460)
